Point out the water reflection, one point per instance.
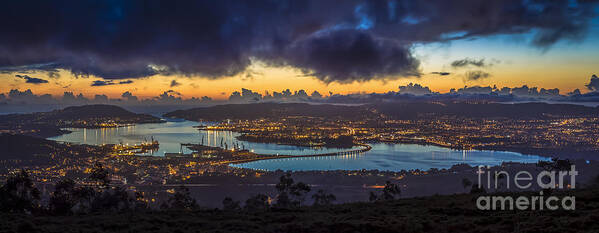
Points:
(170, 135)
(383, 156)
(393, 157)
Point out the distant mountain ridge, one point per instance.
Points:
(91, 111)
(84, 112)
(269, 110)
(47, 124)
(485, 110)
(412, 110)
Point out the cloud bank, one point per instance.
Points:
(476, 75)
(469, 61)
(335, 41)
(99, 83)
(31, 80)
(593, 85)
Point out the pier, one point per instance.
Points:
(364, 148)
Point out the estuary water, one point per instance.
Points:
(383, 156)
(171, 134)
(394, 157)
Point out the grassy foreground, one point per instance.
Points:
(454, 213)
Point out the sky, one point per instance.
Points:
(209, 48)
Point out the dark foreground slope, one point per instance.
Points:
(437, 214)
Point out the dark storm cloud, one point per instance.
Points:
(593, 85)
(469, 61)
(347, 55)
(174, 83)
(171, 92)
(50, 68)
(31, 80)
(476, 75)
(99, 83)
(337, 41)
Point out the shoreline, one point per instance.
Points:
(66, 130)
(548, 153)
(272, 156)
(528, 151)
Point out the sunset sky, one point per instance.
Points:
(512, 55)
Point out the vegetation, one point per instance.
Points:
(19, 195)
(453, 213)
(230, 205)
(291, 194)
(257, 203)
(103, 207)
(322, 198)
(181, 200)
(390, 192)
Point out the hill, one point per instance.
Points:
(47, 124)
(406, 111)
(81, 113)
(20, 151)
(485, 110)
(270, 110)
(24, 147)
(454, 213)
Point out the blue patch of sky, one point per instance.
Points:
(364, 22)
(411, 20)
(512, 47)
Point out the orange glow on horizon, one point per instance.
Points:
(263, 79)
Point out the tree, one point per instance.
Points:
(230, 205)
(19, 194)
(390, 192)
(285, 181)
(85, 197)
(299, 190)
(258, 202)
(106, 198)
(68, 198)
(182, 199)
(322, 198)
(284, 201)
(291, 194)
(114, 199)
(63, 198)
